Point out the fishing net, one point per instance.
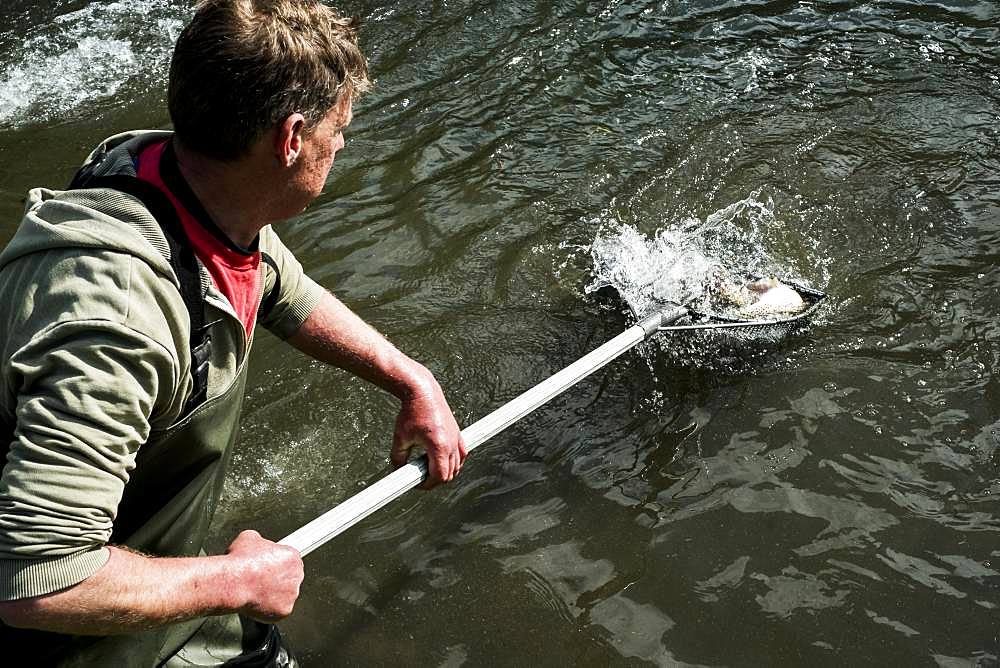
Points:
(724, 341)
(774, 326)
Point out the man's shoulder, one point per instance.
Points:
(88, 220)
(91, 284)
(121, 147)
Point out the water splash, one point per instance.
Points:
(85, 56)
(682, 261)
(685, 263)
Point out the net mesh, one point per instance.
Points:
(774, 327)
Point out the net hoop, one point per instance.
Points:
(702, 320)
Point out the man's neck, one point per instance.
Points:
(227, 193)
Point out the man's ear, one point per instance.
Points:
(288, 140)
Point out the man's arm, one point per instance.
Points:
(89, 394)
(133, 592)
(334, 334)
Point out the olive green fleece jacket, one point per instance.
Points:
(96, 362)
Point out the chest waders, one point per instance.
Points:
(169, 501)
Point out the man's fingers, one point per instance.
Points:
(399, 457)
(400, 453)
(445, 452)
(440, 469)
(433, 475)
(269, 577)
(456, 456)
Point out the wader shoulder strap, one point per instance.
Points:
(268, 304)
(182, 261)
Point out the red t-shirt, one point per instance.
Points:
(235, 271)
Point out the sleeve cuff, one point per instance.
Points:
(26, 578)
(298, 310)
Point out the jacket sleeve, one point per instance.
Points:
(89, 392)
(289, 294)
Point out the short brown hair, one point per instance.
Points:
(242, 66)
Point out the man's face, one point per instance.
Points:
(319, 148)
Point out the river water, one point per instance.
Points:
(831, 500)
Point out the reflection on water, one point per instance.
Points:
(831, 501)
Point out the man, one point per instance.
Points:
(130, 303)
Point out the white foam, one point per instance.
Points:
(680, 261)
(85, 56)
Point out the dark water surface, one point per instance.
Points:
(834, 504)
